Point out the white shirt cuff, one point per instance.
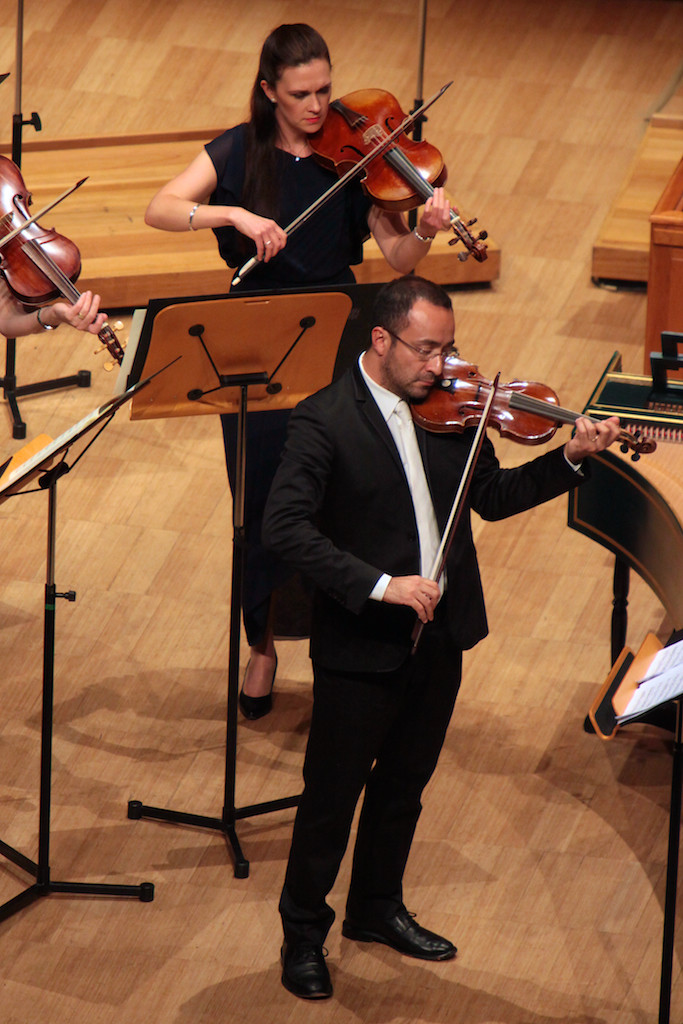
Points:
(576, 466)
(379, 590)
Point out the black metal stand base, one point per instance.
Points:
(137, 810)
(144, 892)
(12, 392)
(44, 886)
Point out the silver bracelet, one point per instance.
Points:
(192, 213)
(422, 238)
(46, 327)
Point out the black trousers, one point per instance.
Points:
(383, 732)
(263, 571)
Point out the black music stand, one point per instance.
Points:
(610, 702)
(256, 351)
(81, 378)
(15, 481)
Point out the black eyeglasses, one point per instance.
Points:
(425, 355)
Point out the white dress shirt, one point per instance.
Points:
(397, 415)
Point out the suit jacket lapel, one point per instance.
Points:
(370, 411)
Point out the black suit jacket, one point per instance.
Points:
(340, 511)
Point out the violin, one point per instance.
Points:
(363, 142)
(38, 264)
(525, 411)
(403, 175)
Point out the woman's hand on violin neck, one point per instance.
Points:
(84, 314)
(591, 437)
(436, 215)
(415, 592)
(267, 235)
(401, 247)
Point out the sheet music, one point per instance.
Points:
(661, 683)
(668, 658)
(55, 446)
(24, 469)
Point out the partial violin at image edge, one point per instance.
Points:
(523, 411)
(38, 264)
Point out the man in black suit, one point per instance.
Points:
(357, 505)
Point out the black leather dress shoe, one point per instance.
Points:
(304, 971)
(254, 708)
(402, 933)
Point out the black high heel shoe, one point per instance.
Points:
(257, 707)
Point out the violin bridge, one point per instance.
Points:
(374, 135)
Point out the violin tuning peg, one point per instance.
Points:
(483, 235)
(118, 326)
(462, 256)
(471, 222)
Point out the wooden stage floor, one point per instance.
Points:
(541, 850)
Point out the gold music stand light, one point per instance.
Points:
(238, 353)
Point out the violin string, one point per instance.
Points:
(548, 410)
(52, 271)
(401, 163)
(59, 279)
(526, 403)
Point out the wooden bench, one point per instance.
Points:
(622, 248)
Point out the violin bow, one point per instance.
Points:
(5, 239)
(351, 173)
(458, 503)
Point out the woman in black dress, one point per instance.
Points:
(244, 185)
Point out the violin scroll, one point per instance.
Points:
(475, 246)
(111, 343)
(636, 443)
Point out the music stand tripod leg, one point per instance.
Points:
(241, 864)
(230, 814)
(41, 870)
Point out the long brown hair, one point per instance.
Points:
(287, 46)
